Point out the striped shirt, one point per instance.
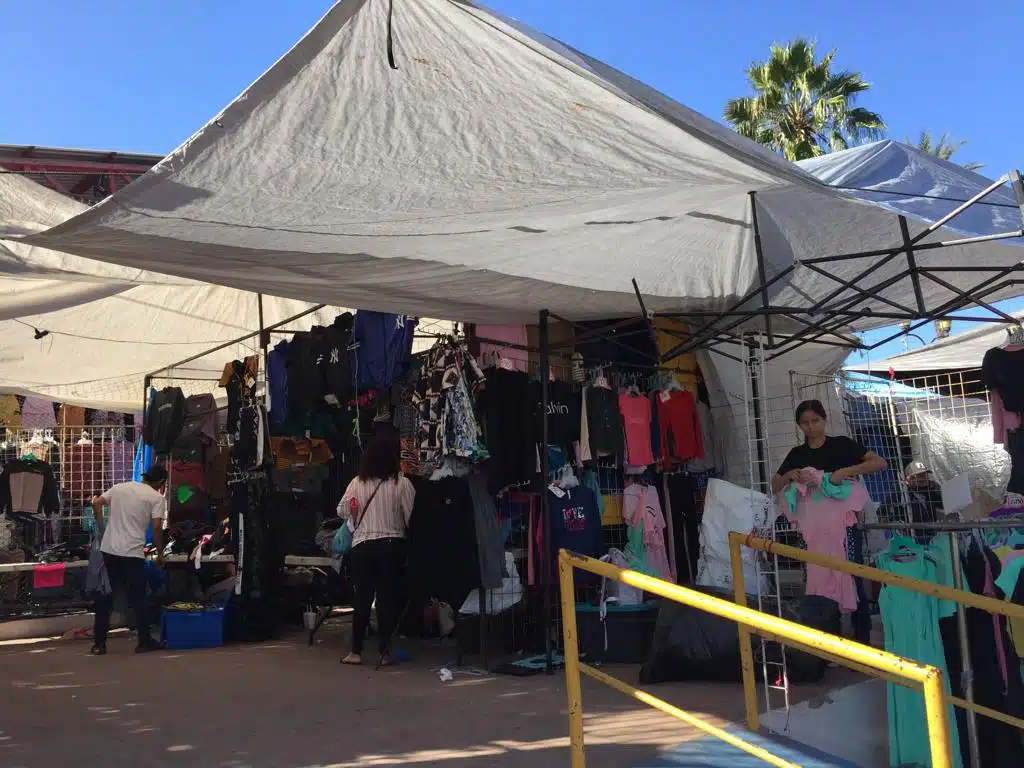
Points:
(387, 516)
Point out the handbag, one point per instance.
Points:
(342, 543)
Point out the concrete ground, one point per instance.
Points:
(286, 704)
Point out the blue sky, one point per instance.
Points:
(142, 76)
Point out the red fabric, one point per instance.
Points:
(188, 473)
(680, 426)
(48, 576)
(636, 415)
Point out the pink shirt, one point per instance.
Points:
(640, 507)
(823, 523)
(636, 415)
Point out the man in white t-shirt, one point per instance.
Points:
(133, 508)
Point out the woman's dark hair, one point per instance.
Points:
(814, 406)
(381, 458)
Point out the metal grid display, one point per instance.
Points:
(85, 460)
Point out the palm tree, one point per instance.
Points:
(800, 107)
(943, 148)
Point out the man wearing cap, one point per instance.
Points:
(923, 494)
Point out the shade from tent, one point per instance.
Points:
(433, 157)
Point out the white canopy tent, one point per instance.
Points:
(905, 180)
(964, 351)
(103, 327)
(438, 159)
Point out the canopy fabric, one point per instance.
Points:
(104, 327)
(905, 180)
(964, 351)
(490, 173)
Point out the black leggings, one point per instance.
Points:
(378, 566)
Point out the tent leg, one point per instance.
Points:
(755, 401)
(545, 503)
(264, 339)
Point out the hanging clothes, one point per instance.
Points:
(680, 430)
(384, 346)
(641, 510)
(277, 381)
(165, 417)
(446, 364)
(911, 624)
(37, 413)
(990, 652)
(504, 406)
(28, 487)
(823, 515)
(565, 408)
(604, 423)
(636, 418)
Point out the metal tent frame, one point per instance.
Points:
(826, 320)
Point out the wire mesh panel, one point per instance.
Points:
(76, 463)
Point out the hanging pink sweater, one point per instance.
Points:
(823, 523)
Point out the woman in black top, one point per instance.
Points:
(843, 457)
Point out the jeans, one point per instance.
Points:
(377, 569)
(126, 574)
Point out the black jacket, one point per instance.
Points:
(165, 417)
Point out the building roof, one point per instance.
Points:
(87, 175)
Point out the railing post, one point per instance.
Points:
(739, 591)
(935, 708)
(571, 650)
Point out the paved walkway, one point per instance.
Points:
(286, 704)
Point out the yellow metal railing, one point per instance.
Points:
(988, 604)
(814, 641)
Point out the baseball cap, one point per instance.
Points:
(915, 468)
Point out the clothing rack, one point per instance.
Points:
(954, 529)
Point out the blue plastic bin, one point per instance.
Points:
(185, 630)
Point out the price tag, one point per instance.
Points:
(665, 396)
(556, 490)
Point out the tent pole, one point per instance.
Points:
(755, 399)
(238, 340)
(545, 469)
(147, 382)
(762, 273)
(264, 339)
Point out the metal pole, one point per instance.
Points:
(545, 468)
(755, 397)
(238, 340)
(570, 647)
(264, 339)
(762, 272)
(739, 591)
(966, 671)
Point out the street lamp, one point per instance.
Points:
(942, 327)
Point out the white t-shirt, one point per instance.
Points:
(132, 507)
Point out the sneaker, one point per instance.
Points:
(98, 650)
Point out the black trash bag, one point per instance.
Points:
(690, 644)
